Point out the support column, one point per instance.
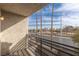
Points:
(0, 33)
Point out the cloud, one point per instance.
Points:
(70, 14)
(70, 21)
(69, 7)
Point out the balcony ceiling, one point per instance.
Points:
(24, 9)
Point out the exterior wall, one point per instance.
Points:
(13, 29)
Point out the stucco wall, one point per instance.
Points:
(13, 29)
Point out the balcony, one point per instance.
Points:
(40, 46)
(41, 37)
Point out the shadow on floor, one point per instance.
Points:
(21, 44)
(5, 48)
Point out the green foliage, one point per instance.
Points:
(76, 36)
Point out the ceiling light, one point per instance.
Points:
(1, 18)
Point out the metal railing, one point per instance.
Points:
(58, 49)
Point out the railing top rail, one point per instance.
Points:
(56, 42)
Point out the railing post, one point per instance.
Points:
(41, 31)
(52, 24)
(36, 25)
(61, 25)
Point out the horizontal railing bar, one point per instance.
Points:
(60, 43)
(45, 48)
(43, 53)
(31, 48)
(38, 49)
(44, 40)
(62, 47)
(59, 49)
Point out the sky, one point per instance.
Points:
(68, 13)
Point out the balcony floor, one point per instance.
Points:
(22, 52)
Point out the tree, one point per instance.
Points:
(68, 29)
(76, 36)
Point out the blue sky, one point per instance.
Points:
(68, 12)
